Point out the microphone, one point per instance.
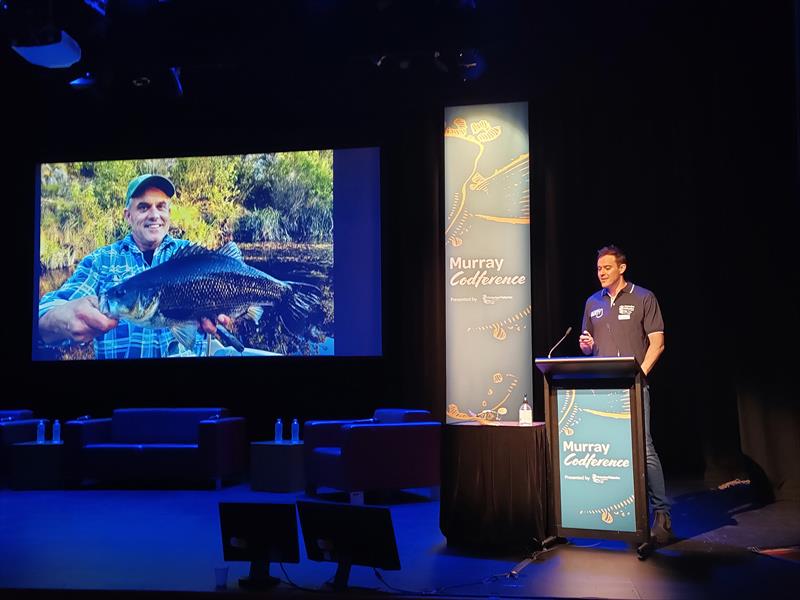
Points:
(566, 333)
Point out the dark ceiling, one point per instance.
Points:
(204, 51)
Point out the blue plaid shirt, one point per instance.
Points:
(105, 268)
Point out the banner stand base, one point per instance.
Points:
(546, 546)
(644, 550)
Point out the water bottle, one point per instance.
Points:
(56, 432)
(525, 413)
(40, 433)
(295, 431)
(278, 431)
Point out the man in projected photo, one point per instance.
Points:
(70, 314)
(624, 319)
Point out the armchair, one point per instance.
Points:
(17, 414)
(16, 426)
(158, 444)
(395, 449)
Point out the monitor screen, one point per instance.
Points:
(349, 534)
(259, 532)
(132, 255)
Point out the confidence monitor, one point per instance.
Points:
(259, 534)
(348, 535)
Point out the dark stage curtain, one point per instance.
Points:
(494, 486)
(674, 138)
(769, 425)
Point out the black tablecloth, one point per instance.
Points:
(494, 485)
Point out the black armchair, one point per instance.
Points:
(16, 426)
(393, 450)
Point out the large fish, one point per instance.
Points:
(197, 282)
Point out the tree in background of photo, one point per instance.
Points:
(288, 197)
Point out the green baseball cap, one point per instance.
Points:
(142, 182)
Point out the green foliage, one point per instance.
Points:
(209, 183)
(262, 197)
(73, 223)
(298, 185)
(53, 254)
(260, 225)
(187, 223)
(110, 182)
(301, 188)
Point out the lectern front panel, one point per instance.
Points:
(596, 464)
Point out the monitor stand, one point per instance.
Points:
(342, 574)
(259, 577)
(340, 580)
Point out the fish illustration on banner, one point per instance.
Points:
(487, 253)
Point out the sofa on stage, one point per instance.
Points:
(16, 426)
(170, 445)
(395, 449)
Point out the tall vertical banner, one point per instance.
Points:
(488, 268)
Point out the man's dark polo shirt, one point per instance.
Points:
(621, 328)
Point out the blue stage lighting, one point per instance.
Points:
(98, 5)
(61, 53)
(83, 82)
(471, 63)
(176, 74)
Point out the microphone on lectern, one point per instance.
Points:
(566, 333)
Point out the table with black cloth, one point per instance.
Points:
(494, 485)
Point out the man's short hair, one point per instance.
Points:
(614, 251)
(139, 184)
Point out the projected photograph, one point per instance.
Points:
(134, 254)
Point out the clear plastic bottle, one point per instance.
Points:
(279, 431)
(56, 432)
(295, 431)
(40, 432)
(525, 413)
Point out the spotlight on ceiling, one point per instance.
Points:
(48, 48)
(439, 63)
(176, 75)
(471, 63)
(99, 6)
(81, 83)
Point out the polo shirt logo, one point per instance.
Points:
(626, 309)
(597, 313)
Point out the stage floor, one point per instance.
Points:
(169, 540)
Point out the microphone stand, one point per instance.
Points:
(563, 337)
(551, 541)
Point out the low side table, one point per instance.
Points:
(276, 466)
(36, 466)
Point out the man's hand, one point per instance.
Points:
(586, 342)
(654, 350)
(207, 326)
(77, 320)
